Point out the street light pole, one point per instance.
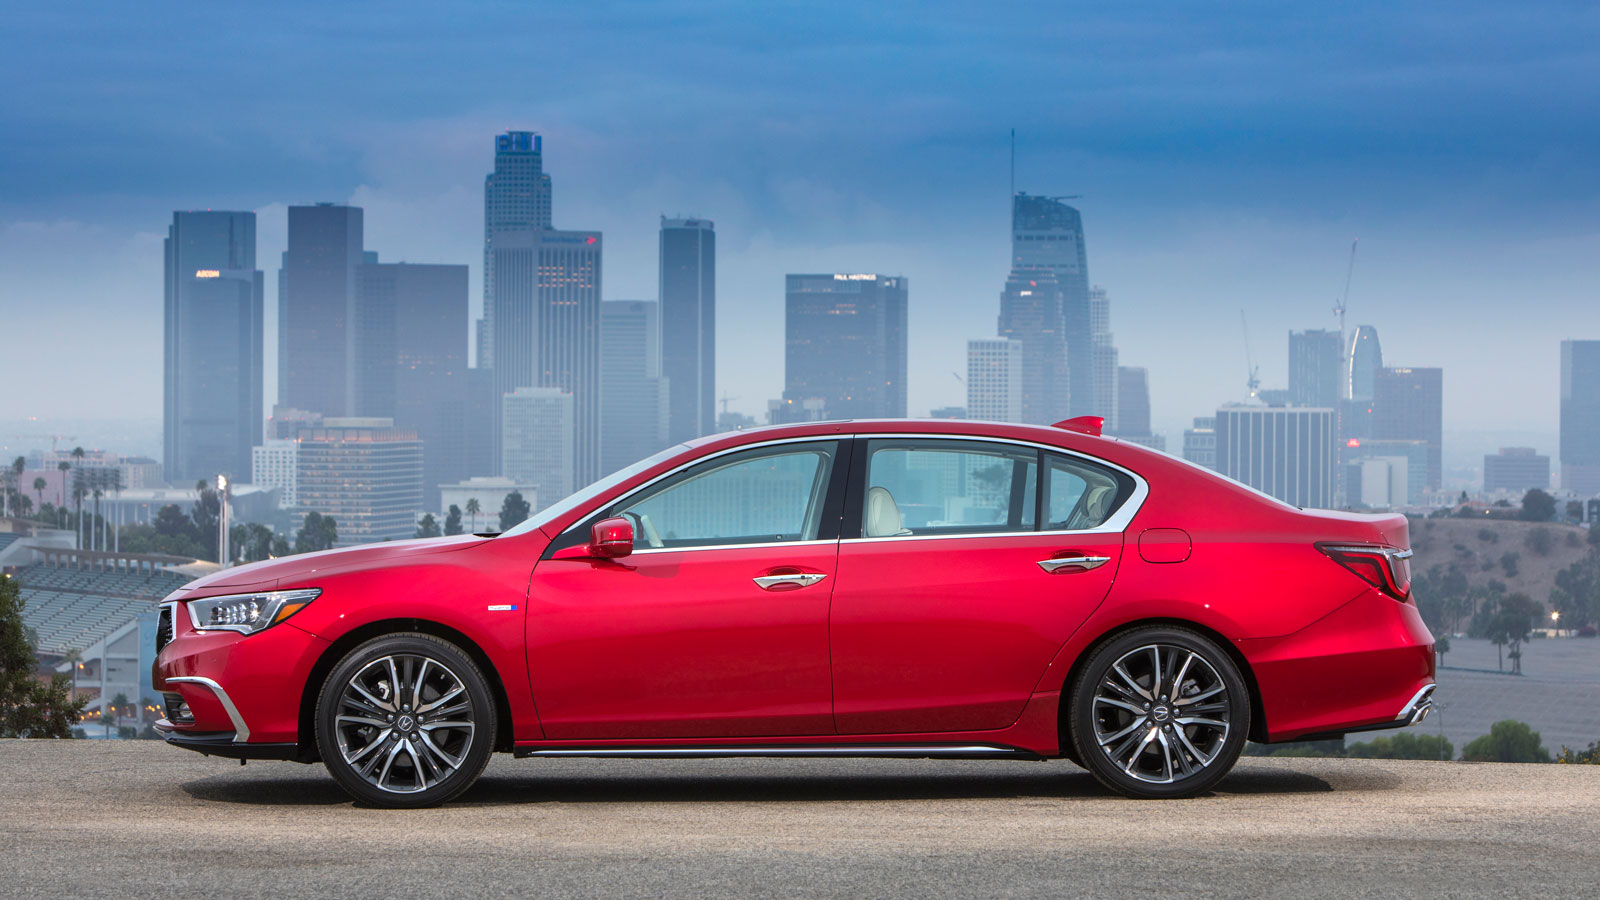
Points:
(222, 521)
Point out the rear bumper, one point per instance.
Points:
(1367, 666)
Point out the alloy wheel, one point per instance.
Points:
(1161, 713)
(405, 723)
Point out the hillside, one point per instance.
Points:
(1477, 547)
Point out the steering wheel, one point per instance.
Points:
(646, 528)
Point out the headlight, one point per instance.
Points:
(248, 613)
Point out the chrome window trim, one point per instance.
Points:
(641, 551)
(241, 731)
(1118, 523)
(575, 527)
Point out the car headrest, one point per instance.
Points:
(883, 514)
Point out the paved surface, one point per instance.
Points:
(86, 819)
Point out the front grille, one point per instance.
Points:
(164, 628)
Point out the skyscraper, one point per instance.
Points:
(516, 198)
(1030, 313)
(1048, 234)
(1314, 368)
(537, 441)
(213, 346)
(688, 325)
(317, 292)
(1287, 452)
(1408, 405)
(1133, 401)
(634, 396)
(845, 344)
(1580, 417)
(541, 298)
(994, 380)
(1365, 359)
(411, 352)
(1104, 356)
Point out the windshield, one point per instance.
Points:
(584, 495)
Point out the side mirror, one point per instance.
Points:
(611, 538)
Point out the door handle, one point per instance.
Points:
(793, 579)
(1073, 563)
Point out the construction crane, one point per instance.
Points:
(1344, 298)
(725, 400)
(54, 439)
(1253, 378)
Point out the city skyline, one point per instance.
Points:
(1195, 207)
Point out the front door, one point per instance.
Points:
(716, 625)
(952, 597)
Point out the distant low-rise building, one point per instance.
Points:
(1200, 442)
(490, 493)
(276, 464)
(1517, 470)
(1287, 452)
(365, 473)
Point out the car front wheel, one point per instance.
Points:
(405, 720)
(1159, 712)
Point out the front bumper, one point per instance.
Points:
(247, 688)
(1367, 666)
(225, 744)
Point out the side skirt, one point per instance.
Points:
(781, 751)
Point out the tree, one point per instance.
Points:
(427, 527)
(318, 533)
(1404, 746)
(39, 484)
(207, 516)
(1441, 646)
(1507, 741)
(1575, 510)
(1540, 541)
(452, 520)
(1537, 506)
(473, 508)
(1509, 561)
(513, 511)
(78, 488)
(28, 707)
(63, 467)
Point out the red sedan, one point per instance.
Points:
(890, 588)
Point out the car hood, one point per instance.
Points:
(263, 576)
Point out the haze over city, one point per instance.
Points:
(1224, 165)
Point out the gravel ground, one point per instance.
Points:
(118, 819)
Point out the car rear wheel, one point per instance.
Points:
(405, 720)
(1159, 712)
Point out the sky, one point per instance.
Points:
(1226, 156)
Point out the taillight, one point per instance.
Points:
(1386, 568)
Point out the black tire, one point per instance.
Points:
(360, 736)
(1139, 742)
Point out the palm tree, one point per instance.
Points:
(97, 489)
(74, 658)
(473, 508)
(77, 488)
(12, 483)
(62, 467)
(114, 484)
(80, 489)
(39, 484)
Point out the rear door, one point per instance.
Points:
(965, 565)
